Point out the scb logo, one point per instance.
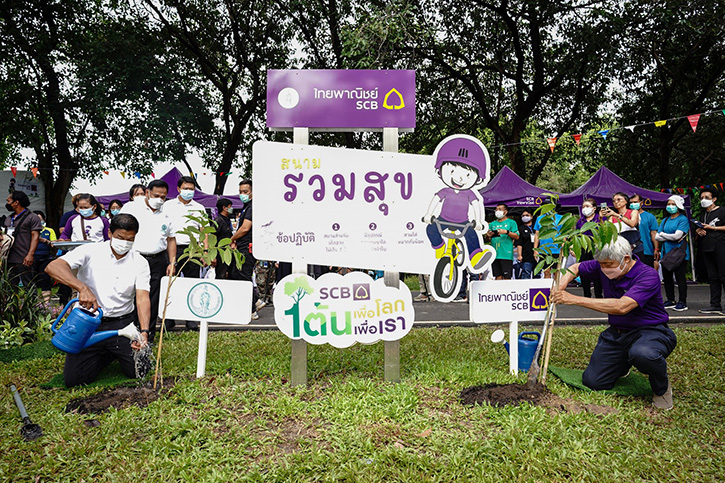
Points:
(359, 291)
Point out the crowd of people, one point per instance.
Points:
(518, 244)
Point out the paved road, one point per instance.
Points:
(436, 313)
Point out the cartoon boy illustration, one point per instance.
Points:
(462, 163)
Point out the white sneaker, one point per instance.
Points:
(260, 304)
(255, 315)
(664, 401)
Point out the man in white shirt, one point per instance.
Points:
(155, 240)
(177, 209)
(112, 277)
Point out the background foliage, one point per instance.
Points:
(93, 84)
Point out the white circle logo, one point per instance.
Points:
(205, 300)
(288, 98)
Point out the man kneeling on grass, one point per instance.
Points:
(638, 334)
(110, 276)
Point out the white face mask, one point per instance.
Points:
(121, 246)
(499, 214)
(615, 272)
(526, 219)
(156, 203)
(187, 195)
(706, 203)
(587, 211)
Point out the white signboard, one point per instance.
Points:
(223, 301)
(342, 207)
(342, 310)
(497, 301)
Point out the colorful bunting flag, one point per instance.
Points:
(35, 172)
(660, 123)
(604, 133)
(552, 143)
(123, 174)
(694, 119)
(577, 137)
(106, 173)
(631, 128)
(153, 175)
(14, 170)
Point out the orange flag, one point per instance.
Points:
(35, 172)
(577, 137)
(552, 143)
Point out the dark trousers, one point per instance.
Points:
(715, 263)
(647, 259)
(42, 279)
(191, 269)
(84, 367)
(645, 349)
(245, 273)
(157, 267)
(679, 276)
(21, 274)
(587, 282)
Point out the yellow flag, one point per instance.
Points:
(660, 123)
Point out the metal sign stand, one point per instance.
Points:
(201, 357)
(514, 347)
(298, 360)
(392, 279)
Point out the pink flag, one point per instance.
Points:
(694, 119)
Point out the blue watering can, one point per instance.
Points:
(527, 347)
(79, 330)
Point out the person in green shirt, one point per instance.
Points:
(502, 232)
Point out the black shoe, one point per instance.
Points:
(712, 310)
(192, 325)
(170, 324)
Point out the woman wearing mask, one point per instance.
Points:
(589, 215)
(114, 208)
(137, 192)
(87, 225)
(626, 220)
(525, 246)
(672, 233)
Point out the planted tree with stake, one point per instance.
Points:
(590, 237)
(204, 250)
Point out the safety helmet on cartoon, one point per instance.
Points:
(464, 150)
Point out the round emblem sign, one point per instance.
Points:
(205, 300)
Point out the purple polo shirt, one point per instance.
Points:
(642, 284)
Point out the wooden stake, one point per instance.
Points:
(550, 331)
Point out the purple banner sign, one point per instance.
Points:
(340, 99)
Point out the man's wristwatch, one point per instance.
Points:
(145, 330)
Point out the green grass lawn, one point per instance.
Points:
(243, 422)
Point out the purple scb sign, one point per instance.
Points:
(336, 99)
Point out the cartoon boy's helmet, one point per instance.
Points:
(464, 150)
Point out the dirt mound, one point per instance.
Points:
(498, 395)
(119, 398)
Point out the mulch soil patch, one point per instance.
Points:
(120, 398)
(499, 395)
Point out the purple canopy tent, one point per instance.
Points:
(604, 183)
(508, 187)
(172, 178)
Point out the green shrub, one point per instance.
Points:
(25, 315)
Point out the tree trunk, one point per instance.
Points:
(230, 152)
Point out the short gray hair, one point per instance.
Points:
(615, 250)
